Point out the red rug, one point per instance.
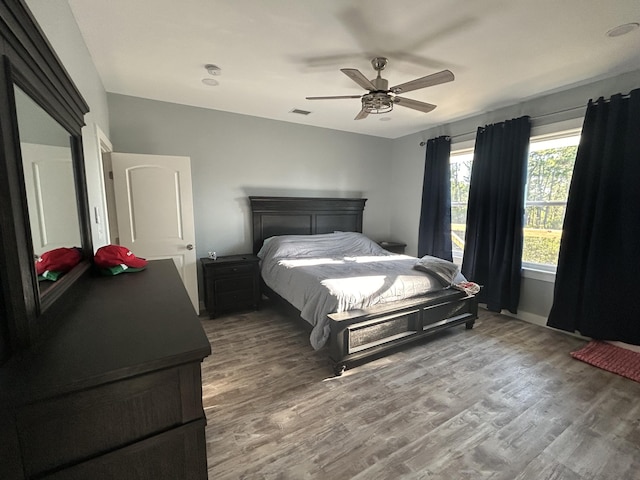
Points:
(611, 358)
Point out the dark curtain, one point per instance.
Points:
(493, 239)
(4, 331)
(434, 235)
(596, 290)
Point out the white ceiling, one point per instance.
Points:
(274, 53)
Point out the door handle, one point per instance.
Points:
(190, 246)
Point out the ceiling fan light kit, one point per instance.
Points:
(381, 98)
(377, 102)
(213, 69)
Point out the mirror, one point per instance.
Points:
(47, 163)
(43, 190)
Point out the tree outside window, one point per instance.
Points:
(549, 170)
(460, 164)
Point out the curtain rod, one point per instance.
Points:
(571, 109)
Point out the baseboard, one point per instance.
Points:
(538, 320)
(529, 318)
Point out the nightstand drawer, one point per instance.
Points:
(223, 285)
(228, 270)
(231, 300)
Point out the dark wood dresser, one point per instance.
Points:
(115, 391)
(231, 283)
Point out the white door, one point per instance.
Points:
(51, 197)
(154, 208)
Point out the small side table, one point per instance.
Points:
(231, 283)
(393, 247)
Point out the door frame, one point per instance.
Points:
(106, 188)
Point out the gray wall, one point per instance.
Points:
(234, 156)
(35, 125)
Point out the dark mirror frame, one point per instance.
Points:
(29, 61)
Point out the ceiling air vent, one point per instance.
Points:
(300, 112)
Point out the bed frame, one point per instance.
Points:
(359, 334)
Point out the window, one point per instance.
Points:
(460, 164)
(549, 169)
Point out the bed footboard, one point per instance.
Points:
(358, 334)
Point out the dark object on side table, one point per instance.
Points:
(231, 283)
(393, 247)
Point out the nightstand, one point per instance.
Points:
(393, 247)
(231, 283)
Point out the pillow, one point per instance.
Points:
(444, 270)
(338, 244)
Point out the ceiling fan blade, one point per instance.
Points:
(415, 104)
(362, 114)
(428, 81)
(357, 76)
(334, 97)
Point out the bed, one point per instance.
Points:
(354, 328)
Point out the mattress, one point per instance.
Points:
(332, 273)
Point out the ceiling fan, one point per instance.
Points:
(381, 98)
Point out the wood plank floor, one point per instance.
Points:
(503, 401)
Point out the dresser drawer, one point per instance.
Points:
(69, 429)
(171, 455)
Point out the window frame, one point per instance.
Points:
(552, 131)
(569, 133)
(462, 150)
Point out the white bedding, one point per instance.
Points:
(328, 273)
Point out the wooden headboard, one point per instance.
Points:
(303, 216)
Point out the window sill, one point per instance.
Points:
(541, 275)
(527, 272)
